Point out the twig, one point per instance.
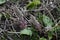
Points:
(14, 32)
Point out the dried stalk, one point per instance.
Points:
(33, 20)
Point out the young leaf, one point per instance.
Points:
(26, 31)
(47, 21)
(2, 1)
(33, 4)
(36, 2)
(30, 5)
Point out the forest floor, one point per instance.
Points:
(30, 20)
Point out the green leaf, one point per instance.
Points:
(2, 1)
(33, 4)
(42, 38)
(36, 2)
(30, 5)
(47, 21)
(26, 31)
